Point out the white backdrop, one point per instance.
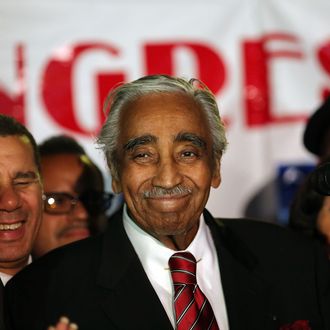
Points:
(268, 62)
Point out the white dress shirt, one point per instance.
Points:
(154, 257)
(5, 278)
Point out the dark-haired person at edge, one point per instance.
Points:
(74, 197)
(316, 137)
(165, 262)
(20, 204)
(310, 210)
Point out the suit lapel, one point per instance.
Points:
(244, 290)
(128, 298)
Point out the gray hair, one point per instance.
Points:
(127, 93)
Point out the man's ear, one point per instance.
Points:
(216, 177)
(115, 183)
(116, 186)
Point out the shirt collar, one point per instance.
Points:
(150, 250)
(6, 277)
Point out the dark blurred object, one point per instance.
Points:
(289, 178)
(272, 201)
(96, 202)
(304, 209)
(309, 212)
(316, 135)
(262, 205)
(320, 179)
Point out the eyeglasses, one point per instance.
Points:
(95, 202)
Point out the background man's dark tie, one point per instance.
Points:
(192, 309)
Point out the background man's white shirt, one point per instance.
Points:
(6, 277)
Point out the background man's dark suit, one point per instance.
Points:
(267, 281)
(2, 326)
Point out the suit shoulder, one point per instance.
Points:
(263, 235)
(254, 227)
(73, 257)
(247, 222)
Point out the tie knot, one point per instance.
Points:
(183, 268)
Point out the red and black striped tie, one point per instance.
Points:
(192, 309)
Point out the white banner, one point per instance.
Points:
(267, 61)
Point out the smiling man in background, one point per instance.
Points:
(20, 204)
(20, 196)
(74, 198)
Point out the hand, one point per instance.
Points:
(64, 324)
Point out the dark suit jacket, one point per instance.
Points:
(270, 277)
(2, 325)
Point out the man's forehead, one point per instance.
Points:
(16, 151)
(24, 139)
(20, 140)
(157, 118)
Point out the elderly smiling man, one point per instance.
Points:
(165, 262)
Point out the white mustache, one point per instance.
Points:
(162, 192)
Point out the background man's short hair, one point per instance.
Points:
(63, 144)
(60, 144)
(9, 126)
